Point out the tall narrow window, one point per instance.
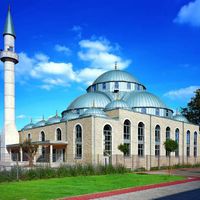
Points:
(157, 111)
(128, 86)
(177, 140)
(42, 136)
(188, 143)
(29, 136)
(157, 140)
(127, 136)
(104, 86)
(78, 141)
(195, 144)
(167, 138)
(141, 139)
(116, 85)
(58, 134)
(107, 131)
(144, 110)
(94, 88)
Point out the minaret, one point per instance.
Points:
(9, 58)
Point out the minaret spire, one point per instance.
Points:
(9, 27)
(9, 58)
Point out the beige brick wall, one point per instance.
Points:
(93, 141)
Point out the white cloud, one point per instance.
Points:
(63, 49)
(189, 14)
(78, 30)
(88, 75)
(182, 93)
(100, 54)
(41, 57)
(49, 73)
(22, 116)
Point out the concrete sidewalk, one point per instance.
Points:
(181, 191)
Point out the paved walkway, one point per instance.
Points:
(183, 191)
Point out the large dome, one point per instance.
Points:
(88, 100)
(94, 112)
(116, 75)
(28, 126)
(54, 119)
(116, 104)
(180, 118)
(69, 116)
(145, 99)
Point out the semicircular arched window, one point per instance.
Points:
(78, 142)
(167, 138)
(58, 134)
(157, 140)
(188, 143)
(42, 135)
(177, 140)
(195, 144)
(141, 139)
(127, 136)
(107, 132)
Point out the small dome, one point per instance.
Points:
(53, 120)
(181, 118)
(145, 99)
(40, 123)
(115, 75)
(117, 104)
(69, 116)
(89, 100)
(28, 126)
(94, 112)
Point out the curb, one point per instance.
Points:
(128, 190)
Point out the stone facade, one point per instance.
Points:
(93, 139)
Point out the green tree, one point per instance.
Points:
(30, 149)
(170, 146)
(124, 148)
(192, 111)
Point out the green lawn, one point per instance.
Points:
(71, 186)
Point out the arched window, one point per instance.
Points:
(42, 136)
(167, 138)
(107, 131)
(29, 136)
(58, 134)
(141, 139)
(188, 143)
(127, 135)
(157, 140)
(78, 141)
(195, 144)
(177, 140)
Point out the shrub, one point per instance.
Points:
(62, 171)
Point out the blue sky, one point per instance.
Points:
(64, 45)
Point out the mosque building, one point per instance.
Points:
(116, 109)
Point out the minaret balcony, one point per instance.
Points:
(9, 56)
